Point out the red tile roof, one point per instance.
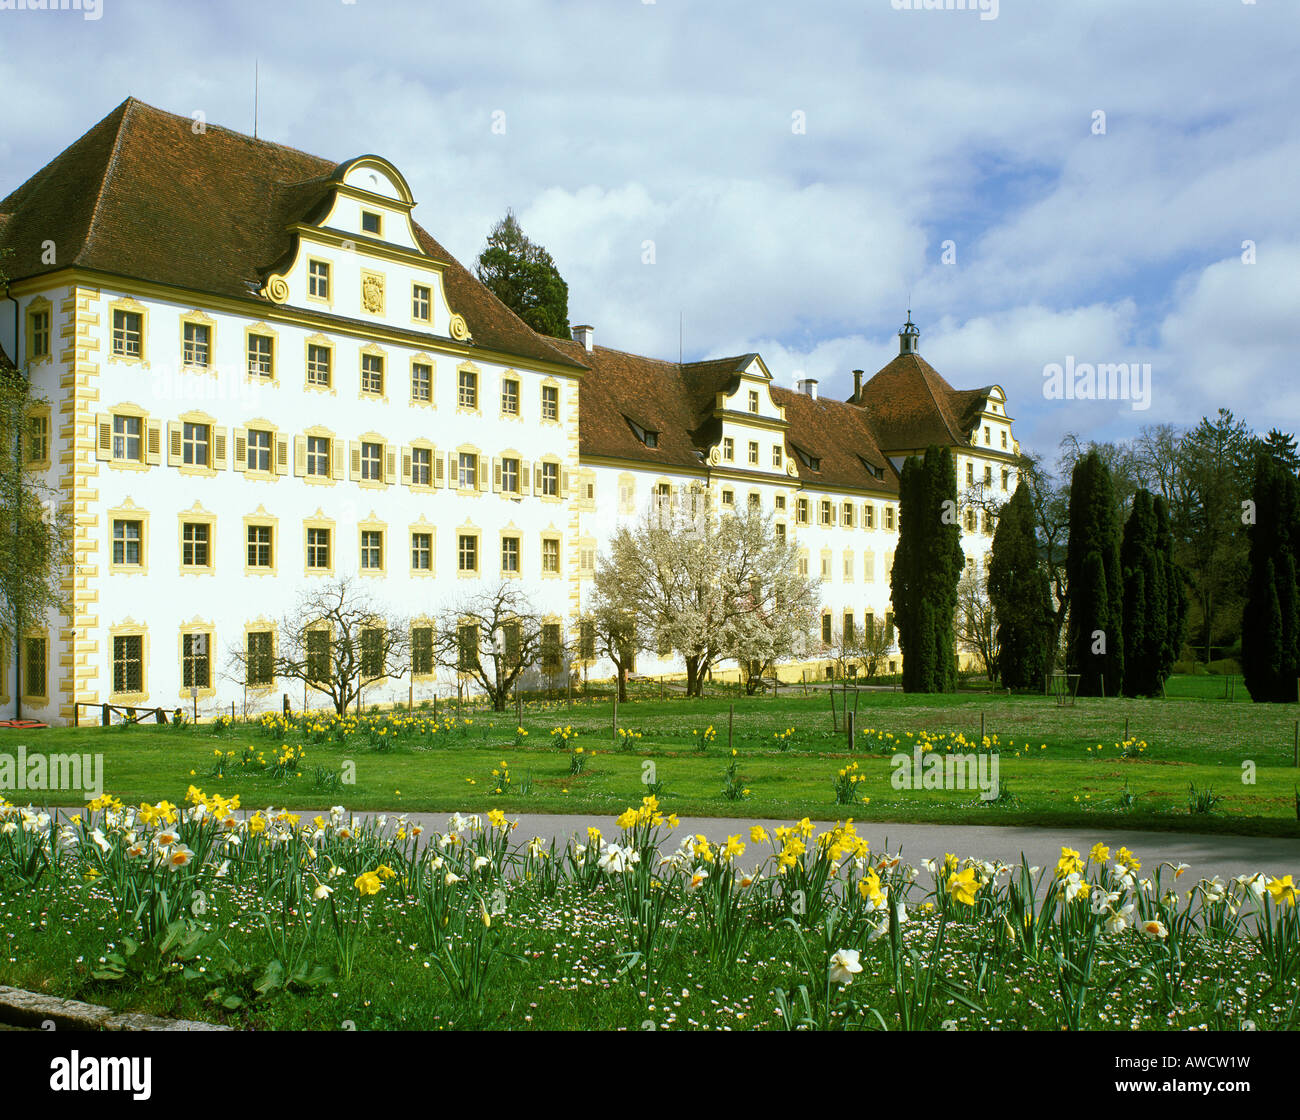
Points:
(911, 406)
(142, 195)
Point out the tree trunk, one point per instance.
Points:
(621, 678)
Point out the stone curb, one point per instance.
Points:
(30, 1009)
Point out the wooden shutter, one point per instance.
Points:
(390, 465)
(103, 435)
(496, 476)
(153, 442)
(219, 448)
(241, 450)
(281, 454)
(336, 459)
(406, 466)
(300, 455)
(453, 472)
(564, 484)
(482, 472)
(355, 461)
(537, 479)
(173, 443)
(439, 475)
(523, 477)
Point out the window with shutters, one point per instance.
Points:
(824, 512)
(467, 389)
(550, 402)
(372, 374)
(318, 656)
(195, 440)
(128, 334)
(889, 518)
(196, 544)
(550, 480)
(318, 456)
(421, 466)
(127, 445)
(261, 350)
(34, 668)
(801, 511)
(196, 671)
(422, 651)
(510, 397)
(510, 556)
(847, 515)
(422, 552)
(258, 451)
(318, 549)
(197, 345)
(261, 546)
(550, 555)
(320, 360)
(868, 516)
(421, 382)
(372, 462)
(510, 476)
(467, 553)
(127, 540)
(467, 470)
(420, 303)
(259, 660)
(128, 663)
(372, 550)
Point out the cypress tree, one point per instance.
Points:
(1095, 638)
(927, 567)
(1020, 596)
(1146, 604)
(1271, 625)
(1175, 631)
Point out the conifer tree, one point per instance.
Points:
(1270, 626)
(523, 276)
(1019, 592)
(1095, 641)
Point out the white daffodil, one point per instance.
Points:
(1154, 929)
(844, 966)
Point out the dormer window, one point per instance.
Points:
(649, 438)
(876, 472)
(810, 461)
(372, 222)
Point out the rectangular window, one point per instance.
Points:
(422, 650)
(466, 647)
(753, 400)
(510, 396)
(510, 555)
(826, 629)
(126, 438)
(1004, 440)
(127, 334)
(318, 456)
(196, 664)
(372, 550)
(1006, 477)
(259, 546)
(421, 382)
(869, 516)
(194, 544)
(728, 498)
(319, 359)
(777, 456)
(198, 340)
(128, 663)
(259, 664)
(372, 652)
(551, 480)
(728, 448)
(421, 552)
(420, 302)
(550, 555)
(371, 222)
(467, 471)
(513, 632)
(970, 474)
(467, 389)
(421, 466)
(318, 279)
(755, 501)
(34, 673)
(753, 452)
(889, 518)
(372, 374)
(779, 502)
(510, 476)
(260, 348)
(259, 450)
(318, 655)
(318, 548)
(38, 439)
(467, 552)
(824, 512)
(126, 543)
(801, 511)
(40, 335)
(372, 462)
(849, 634)
(988, 476)
(551, 647)
(550, 402)
(587, 640)
(194, 444)
(848, 515)
(780, 531)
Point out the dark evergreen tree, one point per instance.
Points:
(1175, 631)
(1271, 624)
(523, 276)
(1020, 595)
(1095, 638)
(1146, 603)
(928, 563)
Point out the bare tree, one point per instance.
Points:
(336, 640)
(874, 646)
(493, 636)
(973, 621)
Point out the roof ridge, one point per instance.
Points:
(127, 107)
(940, 406)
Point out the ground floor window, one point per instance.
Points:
(196, 665)
(259, 667)
(34, 673)
(128, 663)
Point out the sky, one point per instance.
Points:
(1044, 183)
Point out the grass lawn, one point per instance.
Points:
(1058, 765)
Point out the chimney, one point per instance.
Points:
(808, 387)
(584, 334)
(857, 386)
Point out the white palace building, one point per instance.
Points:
(257, 370)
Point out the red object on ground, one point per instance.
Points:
(22, 723)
